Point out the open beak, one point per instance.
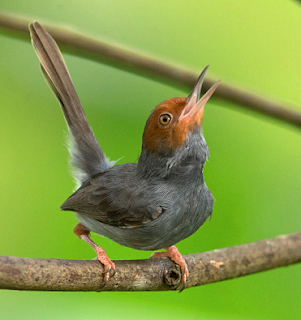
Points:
(193, 111)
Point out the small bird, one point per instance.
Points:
(149, 205)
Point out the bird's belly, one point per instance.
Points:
(163, 232)
(176, 223)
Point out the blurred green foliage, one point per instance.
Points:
(253, 172)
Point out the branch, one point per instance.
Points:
(151, 274)
(147, 66)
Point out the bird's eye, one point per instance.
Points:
(165, 119)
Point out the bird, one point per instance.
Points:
(149, 205)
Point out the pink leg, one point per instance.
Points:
(102, 257)
(174, 254)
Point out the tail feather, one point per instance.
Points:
(86, 154)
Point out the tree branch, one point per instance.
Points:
(147, 66)
(151, 274)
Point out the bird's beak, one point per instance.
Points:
(194, 108)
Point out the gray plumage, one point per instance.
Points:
(86, 154)
(147, 206)
(146, 212)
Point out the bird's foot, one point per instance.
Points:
(107, 263)
(84, 234)
(174, 254)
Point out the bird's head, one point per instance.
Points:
(170, 123)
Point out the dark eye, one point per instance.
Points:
(165, 119)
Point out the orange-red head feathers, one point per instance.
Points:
(167, 127)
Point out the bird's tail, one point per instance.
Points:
(86, 154)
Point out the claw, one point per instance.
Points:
(184, 277)
(183, 285)
(106, 278)
(109, 269)
(114, 271)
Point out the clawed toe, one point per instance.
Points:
(185, 274)
(109, 268)
(107, 263)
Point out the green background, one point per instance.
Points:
(253, 172)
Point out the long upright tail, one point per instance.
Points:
(86, 154)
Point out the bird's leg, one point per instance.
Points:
(174, 254)
(102, 257)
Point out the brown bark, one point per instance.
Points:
(151, 274)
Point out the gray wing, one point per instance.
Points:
(116, 197)
(86, 154)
